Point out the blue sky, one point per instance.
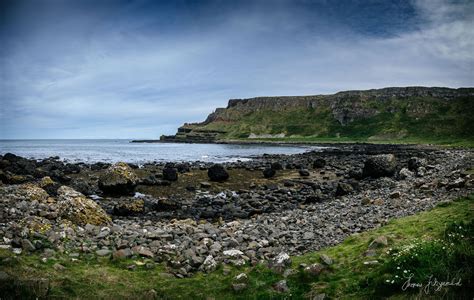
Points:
(139, 69)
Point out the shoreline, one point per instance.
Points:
(176, 216)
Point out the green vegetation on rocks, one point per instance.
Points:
(412, 114)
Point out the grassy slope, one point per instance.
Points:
(91, 277)
(406, 121)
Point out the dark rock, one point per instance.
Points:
(319, 163)
(269, 172)
(281, 286)
(343, 189)
(217, 173)
(304, 172)
(277, 166)
(170, 174)
(380, 166)
(414, 163)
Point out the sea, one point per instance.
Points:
(108, 150)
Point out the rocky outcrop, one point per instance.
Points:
(327, 115)
(76, 208)
(118, 179)
(379, 166)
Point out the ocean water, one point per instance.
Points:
(122, 150)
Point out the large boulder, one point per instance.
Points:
(118, 179)
(319, 163)
(269, 172)
(217, 173)
(379, 166)
(170, 174)
(414, 163)
(78, 209)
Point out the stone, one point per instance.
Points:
(237, 287)
(281, 286)
(382, 165)
(122, 254)
(205, 185)
(118, 179)
(405, 173)
(59, 267)
(343, 189)
(80, 210)
(303, 172)
(170, 174)
(326, 259)
(143, 251)
(319, 163)
(209, 264)
(321, 296)
(135, 207)
(242, 277)
(27, 245)
(280, 262)
(277, 166)
(217, 173)
(380, 241)
(314, 269)
(103, 252)
(395, 194)
(414, 163)
(268, 172)
(233, 253)
(365, 201)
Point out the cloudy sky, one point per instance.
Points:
(139, 69)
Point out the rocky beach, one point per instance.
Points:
(197, 216)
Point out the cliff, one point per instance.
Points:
(388, 113)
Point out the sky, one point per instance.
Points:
(139, 69)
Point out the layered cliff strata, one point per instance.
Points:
(393, 112)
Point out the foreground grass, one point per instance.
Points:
(347, 278)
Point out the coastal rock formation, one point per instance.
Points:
(380, 165)
(75, 207)
(118, 179)
(217, 173)
(388, 113)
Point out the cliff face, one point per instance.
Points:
(390, 112)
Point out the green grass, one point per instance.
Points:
(347, 278)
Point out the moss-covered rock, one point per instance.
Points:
(31, 192)
(80, 210)
(118, 179)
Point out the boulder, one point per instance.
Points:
(170, 174)
(128, 209)
(80, 210)
(31, 192)
(343, 189)
(405, 173)
(319, 163)
(269, 172)
(118, 179)
(304, 172)
(414, 163)
(280, 262)
(217, 173)
(380, 166)
(277, 166)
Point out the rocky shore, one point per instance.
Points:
(197, 216)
